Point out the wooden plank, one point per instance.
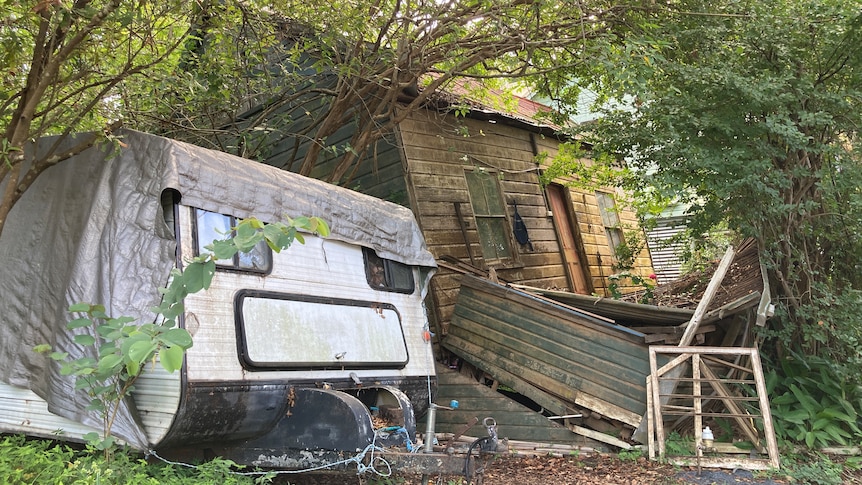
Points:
(721, 462)
(541, 345)
(660, 337)
(768, 430)
(656, 403)
(732, 308)
(528, 388)
(515, 421)
(604, 438)
(698, 405)
(564, 305)
(581, 398)
(650, 418)
(577, 354)
(517, 350)
(480, 356)
(616, 309)
(463, 226)
(608, 409)
(706, 299)
(545, 330)
(563, 314)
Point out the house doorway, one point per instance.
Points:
(569, 237)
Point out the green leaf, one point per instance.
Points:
(194, 277)
(79, 323)
(173, 311)
(833, 414)
(246, 236)
(797, 416)
(59, 355)
(171, 358)
(223, 250)
(178, 337)
(805, 400)
(109, 362)
(42, 348)
(106, 443)
(98, 311)
(79, 307)
(320, 227)
(276, 238)
(142, 350)
(85, 339)
(301, 222)
(197, 276)
(120, 321)
(96, 405)
(253, 222)
(837, 434)
(108, 332)
(133, 367)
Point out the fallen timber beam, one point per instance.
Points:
(604, 438)
(425, 463)
(690, 329)
(708, 295)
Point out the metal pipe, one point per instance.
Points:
(429, 428)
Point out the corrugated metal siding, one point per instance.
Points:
(157, 396)
(665, 250)
(23, 412)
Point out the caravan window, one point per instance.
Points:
(387, 275)
(210, 226)
(292, 331)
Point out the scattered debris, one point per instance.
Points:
(577, 354)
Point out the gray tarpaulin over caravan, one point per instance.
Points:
(91, 229)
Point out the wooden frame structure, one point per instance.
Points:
(664, 393)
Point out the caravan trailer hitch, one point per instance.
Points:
(484, 446)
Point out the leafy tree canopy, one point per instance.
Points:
(749, 112)
(187, 70)
(63, 63)
(305, 70)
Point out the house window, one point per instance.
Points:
(210, 226)
(489, 209)
(610, 219)
(387, 275)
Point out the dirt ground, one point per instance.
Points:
(546, 470)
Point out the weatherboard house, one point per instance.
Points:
(473, 183)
